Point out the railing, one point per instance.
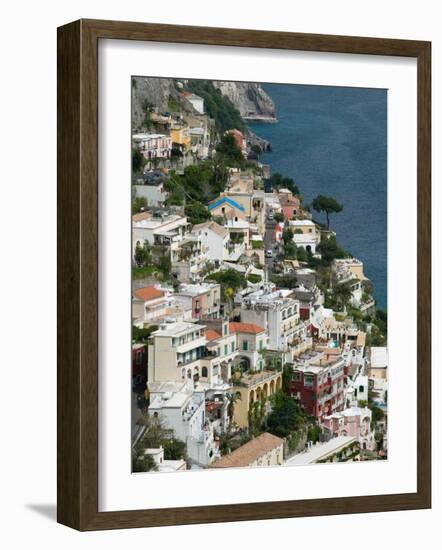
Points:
(258, 378)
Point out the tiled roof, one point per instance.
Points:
(148, 293)
(213, 226)
(248, 453)
(248, 328)
(141, 216)
(227, 200)
(212, 335)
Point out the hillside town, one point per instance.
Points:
(256, 340)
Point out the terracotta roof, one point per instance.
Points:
(148, 293)
(248, 453)
(141, 216)
(212, 334)
(213, 226)
(248, 328)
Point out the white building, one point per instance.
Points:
(214, 240)
(182, 409)
(160, 229)
(153, 146)
(305, 234)
(154, 192)
(163, 465)
(279, 314)
(202, 299)
(196, 101)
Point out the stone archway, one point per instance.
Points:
(265, 391)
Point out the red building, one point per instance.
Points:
(318, 384)
(139, 363)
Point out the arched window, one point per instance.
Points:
(204, 372)
(189, 374)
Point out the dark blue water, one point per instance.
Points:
(333, 141)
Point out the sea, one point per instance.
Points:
(333, 141)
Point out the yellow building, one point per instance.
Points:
(181, 137)
(254, 387)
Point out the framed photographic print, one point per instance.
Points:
(243, 275)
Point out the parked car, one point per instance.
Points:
(269, 253)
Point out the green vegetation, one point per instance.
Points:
(286, 416)
(142, 462)
(256, 245)
(218, 107)
(328, 205)
(142, 335)
(196, 212)
(314, 433)
(284, 281)
(143, 254)
(256, 151)
(229, 152)
(279, 181)
(173, 104)
(154, 437)
(201, 182)
(254, 278)
(151, 260)
(278, 217)
(138, 203)
(329, 249)
(377, 414)
(138, 161)
(231, 281)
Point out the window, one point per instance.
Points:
(226, 350)
(361, 389)
(245, 346)
(233, 347)
(225, 329)
(204, 372)
(260, 345)
(308, 380)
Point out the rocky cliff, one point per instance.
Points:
(252, 102)
(250, 99)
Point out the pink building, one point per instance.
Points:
(353, 422)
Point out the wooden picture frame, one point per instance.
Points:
(78, 274)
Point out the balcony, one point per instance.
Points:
(191, 344)
(254, 379)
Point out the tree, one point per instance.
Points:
(174, 449)
(287, 235)
(196, 213)
(287, 377)
(286, 415)
(143, 254)
(256, 150)
(328, 205)
(377, 414)
(329, 249)
(142, 462)
(138, 161)
(278, 217)
(301, 254)
(256, 416)
(138, 203)
(279, 181)
(229, 151)
(228, 278)
(232, 398)
(343, 294)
